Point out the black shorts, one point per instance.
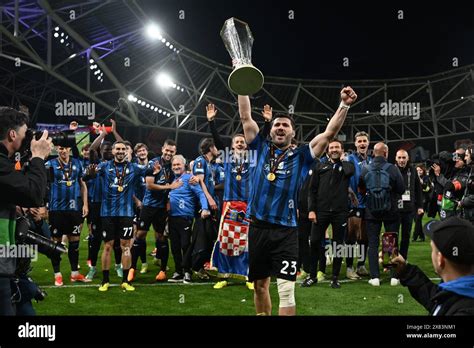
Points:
(117, 227)
(357, 212)
(136, 217)
(155, 216)
(65, 222)
(273, 251)
(94, 219)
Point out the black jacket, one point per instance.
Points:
(25, 188)
(303, 195)
(412, 183)
(397, 188)
(431, 296)
(329, 187)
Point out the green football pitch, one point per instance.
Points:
(151, 298)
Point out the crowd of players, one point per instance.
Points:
(291, 195)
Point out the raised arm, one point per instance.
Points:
(211, 112)
(97, 141)
(117, 136)
(248, 124)
(321, 141)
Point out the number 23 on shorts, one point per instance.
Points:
(288, 267)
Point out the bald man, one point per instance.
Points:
(389, 217)
(411, 202)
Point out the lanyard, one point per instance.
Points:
(68, 173)
(167, 174)
(120, 176)
(275, 162)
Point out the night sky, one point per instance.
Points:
(314, 43)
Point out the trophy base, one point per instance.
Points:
(245, 80)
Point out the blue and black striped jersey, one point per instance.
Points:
(65, 188)
(275, 201)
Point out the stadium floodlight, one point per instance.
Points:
(168, 114)
(72, 55)
(164, 80)
(62, 34)
(62, 41)
(153, 31)
(56, 34)
(131, 97)
(91, 60)
(56, 28)
(163, 40)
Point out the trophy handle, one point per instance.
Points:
(245, 80)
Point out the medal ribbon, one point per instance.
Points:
(120, 176)
(274, 162)
(68, 173)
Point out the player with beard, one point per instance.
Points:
(273, 241)
(328, 205)
(118, 188)
(357, 228)
(158, 178)
(95, 237)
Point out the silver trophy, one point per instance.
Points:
(245, 79)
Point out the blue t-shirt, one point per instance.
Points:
(185, 200)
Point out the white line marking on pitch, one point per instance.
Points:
(139, 285)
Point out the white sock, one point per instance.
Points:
(57, 274)
(74, 273)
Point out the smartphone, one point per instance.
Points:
(389, 248)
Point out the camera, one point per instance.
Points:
(62, 138)
(65, 138)
(445, 160)
(24, 235)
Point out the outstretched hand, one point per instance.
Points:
(267, 113)
(211, 111)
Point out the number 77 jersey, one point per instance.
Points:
(118, 187)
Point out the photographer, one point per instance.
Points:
(467, 201)
(25, 189)
(454, 186)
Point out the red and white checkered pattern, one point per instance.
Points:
(233, 239)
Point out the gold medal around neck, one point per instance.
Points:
(238, 177)
(120, 188)
(68, 183)
(271, 176)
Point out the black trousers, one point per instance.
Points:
(373, 232)
(338, 222)
(6, 306)
(406, 222)
(304, 231)
(180, 231)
